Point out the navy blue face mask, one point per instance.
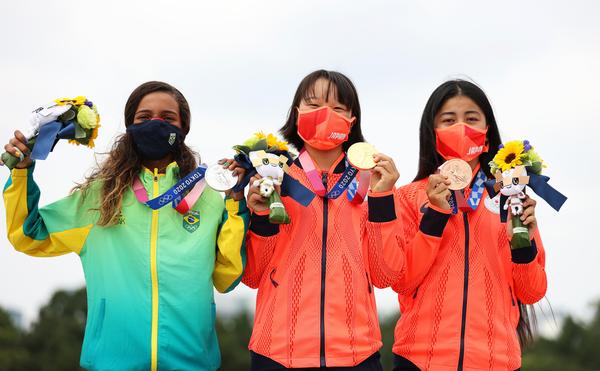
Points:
(154, 139)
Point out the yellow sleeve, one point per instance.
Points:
(56, 229)
(231, 246)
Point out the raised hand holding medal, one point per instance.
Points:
(361, 155)
(457, 175)
(458, 172)
(383, 172)
(224, 175)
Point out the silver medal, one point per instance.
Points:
(220, 179)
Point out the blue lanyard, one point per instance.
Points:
(474, 197)
(175, 194)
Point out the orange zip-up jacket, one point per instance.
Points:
(459, 298)
(315, 305)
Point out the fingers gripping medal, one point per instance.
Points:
(220, 179)
(360, 155)
(459, 173)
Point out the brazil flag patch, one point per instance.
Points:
(191, 220)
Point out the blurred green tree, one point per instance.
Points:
(54, 340)
(234, 335)
(13, 356)
(388, 324)
(576, 348)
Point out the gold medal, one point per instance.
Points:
(459, 173)
(360, 155)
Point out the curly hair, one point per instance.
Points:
(118, 171)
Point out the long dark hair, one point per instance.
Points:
(118, 171)
(429, 158)
(527, 324)
(345, 92)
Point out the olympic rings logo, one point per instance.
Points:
(164, 199)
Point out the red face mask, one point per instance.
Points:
(461, 141)
(323, 128)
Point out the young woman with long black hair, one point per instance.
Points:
(463, 297)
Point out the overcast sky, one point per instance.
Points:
(239, 62)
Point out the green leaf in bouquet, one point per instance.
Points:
(80, 132)
(84, 141)
(535, 167)
(260, 145)
(69, 115)
(242, 149)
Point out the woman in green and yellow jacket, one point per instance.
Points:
(149, 273)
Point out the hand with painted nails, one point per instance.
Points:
(17, 146)
(238, 171)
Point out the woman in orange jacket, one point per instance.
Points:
(315, 306)
(463, 298)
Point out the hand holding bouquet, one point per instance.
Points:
(76, 120)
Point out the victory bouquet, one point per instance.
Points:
(76, 120)
(516, 166)
(267, 156)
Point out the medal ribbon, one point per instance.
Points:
(315, 180)
(457, 198)
(194, 182)
(357, 190)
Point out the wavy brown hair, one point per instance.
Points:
(118, 171)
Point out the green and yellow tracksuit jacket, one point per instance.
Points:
(149, 278)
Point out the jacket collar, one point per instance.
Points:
(170, 175)
(338, 167)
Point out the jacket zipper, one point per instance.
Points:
(368, 282)
(463, 325)
(154, 277)
(323, 269)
